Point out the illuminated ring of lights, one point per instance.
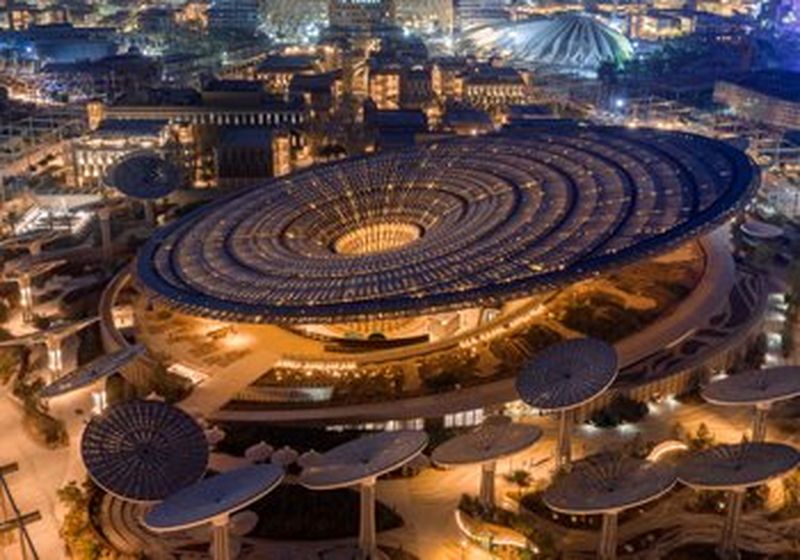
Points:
(499, 217)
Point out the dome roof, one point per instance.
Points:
(571, 40)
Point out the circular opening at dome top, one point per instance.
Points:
(377, 237)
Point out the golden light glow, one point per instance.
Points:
(377, 238)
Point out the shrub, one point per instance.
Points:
(41, 322)
(171, 387)
(703, 439)
(80, 537)
(292, 512)
(10, 359)
(622, 409)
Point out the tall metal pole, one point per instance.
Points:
(104, 214)
(608, 537)
(221, 538)
(564, 443)
(487, 493)
(760, 422)
(26, 297)
(367, 538)
(728, 549)
(55, 361)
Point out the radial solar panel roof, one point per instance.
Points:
(567, 374)
(492, 440)
(761, 386)
(363, 458)
(91, 372)
(58, 330)
(451, 224)
(144, 175)
(607, 483)
(144, 451)
(214, 496)
(727, 467)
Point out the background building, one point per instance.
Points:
(769, 97)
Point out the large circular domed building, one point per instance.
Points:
(413, 284)
(572, 42)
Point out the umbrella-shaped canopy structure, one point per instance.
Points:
(212, 497)
(493, 440)
(730, 467)
(360, 462)
(58, 331)
(759, 388)
(30, 267)
(144, 175)
(736, 468)
(568, 374)
(93, 371)
(607, 484)
(144, 451)
(32, 241)
(213, 500)
(756, 387)
(565, 376)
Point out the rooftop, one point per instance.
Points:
(728, 467)
(212, 497)
(568, 374)
(459, 222)
(144, 451)
(774, 83)
(288, 63)
(606, 483)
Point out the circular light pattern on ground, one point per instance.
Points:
(607, 483)
(144, 450)
(497, 217)
(568, 374)
(144, 175)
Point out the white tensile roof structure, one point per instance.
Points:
(573, 41)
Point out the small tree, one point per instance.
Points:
(703, 439)
(521, 479)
